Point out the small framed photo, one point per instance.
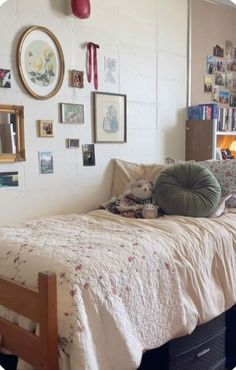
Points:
(88, 155)
(73, 143)
(45, 162)
(72, 113)
(77, 79)
(109, 118)
(46, 128)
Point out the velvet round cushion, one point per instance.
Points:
(187, 190)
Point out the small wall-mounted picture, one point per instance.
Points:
(9, 179)
(5, 78)
(88, 155)
(223, 97)
(210, 65)
(110, 68)
(72, 113)
(45, 128)
(73, 143)
(215, 94)
(219, 64)
(232, 100)
(45, 162)
(218, 51)
(228, 49)
(208, 83)
(220, 79)
(77, 79)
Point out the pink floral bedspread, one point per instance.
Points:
(125, 285)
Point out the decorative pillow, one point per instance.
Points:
(225, 172)
(187, 190)
(125, 172)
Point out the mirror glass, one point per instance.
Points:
(12, 133)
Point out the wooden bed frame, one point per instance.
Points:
(40, 307)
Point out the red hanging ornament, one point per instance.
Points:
(81, 8)
(93, 46)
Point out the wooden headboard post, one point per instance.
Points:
(39, 306)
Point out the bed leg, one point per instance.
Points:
(48, 321)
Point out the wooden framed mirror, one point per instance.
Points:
(12, 140)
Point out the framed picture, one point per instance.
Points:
(40, 62)
(9, 179)
(45, 162)
(109, 118)
(88, 155)
(46, 128)
(72, 143)
(77, 79)
(5, 78)
(72, 113)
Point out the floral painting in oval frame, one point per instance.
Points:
(40, 62)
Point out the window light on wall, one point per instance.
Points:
(2, 2)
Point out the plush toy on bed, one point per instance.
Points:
(136, 201)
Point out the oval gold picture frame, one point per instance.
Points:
(40, 62)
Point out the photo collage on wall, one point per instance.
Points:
(220, 77)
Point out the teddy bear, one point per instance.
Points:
(136, 200)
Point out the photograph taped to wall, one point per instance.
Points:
(228, 49)
(219, 78)
(9, 179)
(218, 51)
(109, 118)
(88, 155)
(231, 65)
(219, 64)
(45, 162)
(210, 65)
(232, 100)
(72, 113)
(215, 94)
(208, 83)
(110, 69)
(46, 128)
(228, 80)
(223, 97)
(5, 78)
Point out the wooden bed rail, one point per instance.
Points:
(39, 306)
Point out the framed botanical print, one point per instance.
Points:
(40, 62)
(72, 113)
(109, 118)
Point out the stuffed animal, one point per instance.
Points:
(150, 211)
(221, 208)
(137, 194)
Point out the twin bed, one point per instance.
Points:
(123, 286)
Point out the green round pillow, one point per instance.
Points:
(187, 189)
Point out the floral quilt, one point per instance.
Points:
(125, 285)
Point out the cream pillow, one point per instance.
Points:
(125, 172)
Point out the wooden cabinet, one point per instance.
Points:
(202, 139)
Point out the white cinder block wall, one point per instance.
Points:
(149, 40)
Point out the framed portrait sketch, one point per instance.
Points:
(72, 113)
(109, 118)
(40, 62)
(45, 128)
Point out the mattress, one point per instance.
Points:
(124, 285)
